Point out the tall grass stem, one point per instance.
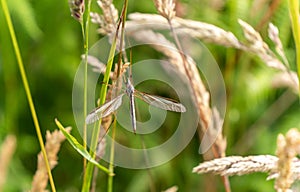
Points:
(27, 90)
(85, 34)
(96, 131)
(295, 20)
(111, 160)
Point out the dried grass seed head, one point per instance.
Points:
(273, 34)
(110, 13)
(107, 21)
(166, 8)
(253, 37)
(7, 150)
(237, 165)
(257, 46)
(77, 9)
(204, 31)
(52, 146)
(286, 79)
(287, 149)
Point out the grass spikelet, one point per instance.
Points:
(166, 8)
(287, 149)
(110, 13)
(273, 33)
(237, 165)
(52, 146)
(286, 79)
(256, 45)
(77, 9)
(204, 31)
(107, 21)
(7, 150)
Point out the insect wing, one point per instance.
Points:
(104, 110)
(160, 102)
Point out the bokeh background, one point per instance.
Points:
(51, 44)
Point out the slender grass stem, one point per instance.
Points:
(96, 131)
(85, 31)
(27, 90)
(294, 14)
(112, 156)
(85, 34)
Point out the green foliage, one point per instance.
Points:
(25, 18)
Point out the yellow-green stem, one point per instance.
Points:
(85, 34)
(112, 156)
(294, 13)
(27, 90)
(96, 131)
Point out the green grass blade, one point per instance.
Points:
(80, 149)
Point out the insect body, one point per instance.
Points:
(112, 105)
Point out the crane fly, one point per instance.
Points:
(112, 105)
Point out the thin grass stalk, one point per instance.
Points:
(121, 54)
(112, 157)
(96, 131)
(101, 147)
(27, 89)
(294, 14)
(146, 157)
(89, 169)
(77, 8)
(85, 34)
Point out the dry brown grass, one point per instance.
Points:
(52, 146)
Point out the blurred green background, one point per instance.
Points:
(51, 44)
